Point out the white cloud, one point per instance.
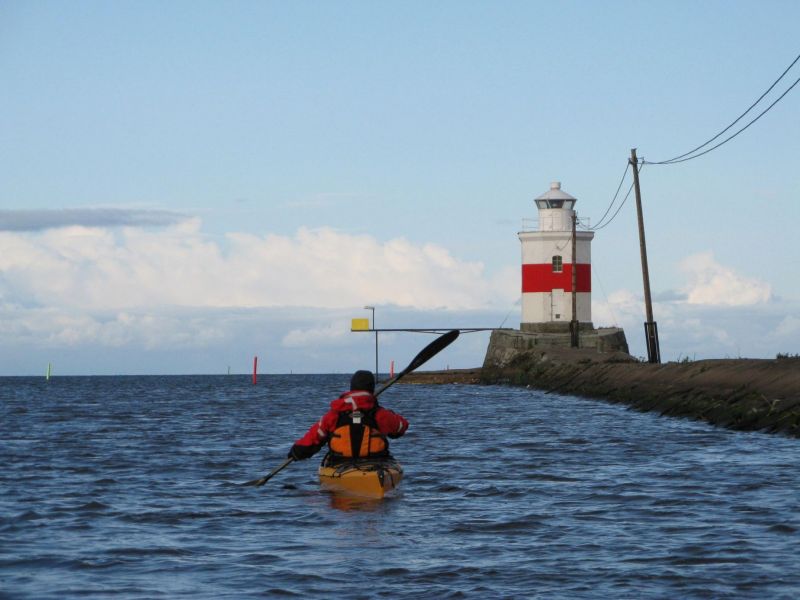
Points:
(719, 314)
(331, 334)
(102, 296)
(699, 331)
(185, 340)
(77, 286)
(715, 285)
(95, 269)
(506, 286)
(65, 327)
(788, 327)
(621, 307)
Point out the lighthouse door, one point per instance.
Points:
(556, 304)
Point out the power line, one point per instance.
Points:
(596, 274)
(686, 155)
(739, 117)
(611, 220)
(513, 306)
(619, 208)
(614, 199)
(735, 134)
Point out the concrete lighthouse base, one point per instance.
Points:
(605, 340)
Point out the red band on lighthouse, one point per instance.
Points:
(541, 278)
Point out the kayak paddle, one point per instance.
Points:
(268, 476)
(427, 353)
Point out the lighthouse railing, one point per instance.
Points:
(532, 224)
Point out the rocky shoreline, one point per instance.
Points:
(742, 394)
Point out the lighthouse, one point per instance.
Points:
(549, 251)
(547, 264)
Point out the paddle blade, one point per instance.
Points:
(431, 350)
(428, 352)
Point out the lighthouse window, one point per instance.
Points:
(557, 264)
(556, 203)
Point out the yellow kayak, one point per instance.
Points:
(366, 478)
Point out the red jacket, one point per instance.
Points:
(389, 423)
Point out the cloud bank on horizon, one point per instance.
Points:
(121, 286)
(38, 220)
(718, 313)
(95, 268)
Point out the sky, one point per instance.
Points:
(187, 185)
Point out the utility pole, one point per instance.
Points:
(573, 325)
(372, 308)
(650, 327)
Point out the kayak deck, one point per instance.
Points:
(370, 479)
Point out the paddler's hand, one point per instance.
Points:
(302, 452)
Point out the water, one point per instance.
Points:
(127, 487)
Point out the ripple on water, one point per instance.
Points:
(92, 506)
(783, 528)
(154, 551)
(138, 496)
(29, 515)
(518, 526)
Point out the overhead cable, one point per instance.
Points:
(734, 135)
(619, 208)
(614, 199)
(607, 223)
(690, 154)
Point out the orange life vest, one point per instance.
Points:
(357, 436)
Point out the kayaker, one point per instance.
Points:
(355, 427)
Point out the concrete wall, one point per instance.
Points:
(507, 345)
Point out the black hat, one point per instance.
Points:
(363, 380)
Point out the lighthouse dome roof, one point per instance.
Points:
(556, 193)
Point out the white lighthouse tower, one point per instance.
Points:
(547, 267)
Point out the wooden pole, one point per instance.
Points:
(372, 308)
(573, 325)
(650, 327)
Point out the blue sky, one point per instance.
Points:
(188, 184)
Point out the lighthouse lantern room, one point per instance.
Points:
(547, 267)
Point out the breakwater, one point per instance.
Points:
(743, 394)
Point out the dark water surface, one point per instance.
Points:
(127, 487)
